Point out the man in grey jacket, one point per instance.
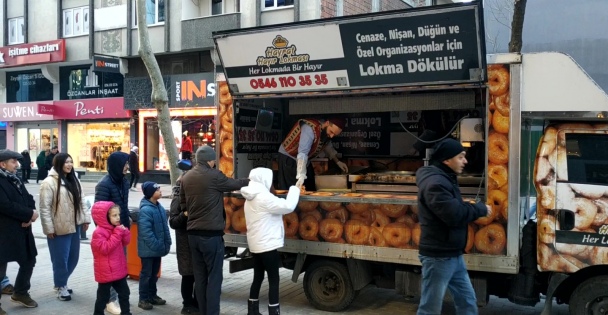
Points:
(202, 196)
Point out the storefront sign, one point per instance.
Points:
(34, 53)
(80, 82)
(106, 64)
(192, 90)
(46, 109)
(28, 86)
(22, 112)
(91, 109)
(413, 47)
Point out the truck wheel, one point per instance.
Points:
(590, 297)
(327, 286)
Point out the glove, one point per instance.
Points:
(342, 166)
(301, 169)
(300, 182)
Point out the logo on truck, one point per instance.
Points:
(281, 53)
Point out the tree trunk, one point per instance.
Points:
(517, 26)
(160, 100)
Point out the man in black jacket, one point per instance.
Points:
(134, 167)
(48, 162)
(17, 212)
(444, 219)
(202, 196)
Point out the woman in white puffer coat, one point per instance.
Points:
(63, 212)
(265, 234)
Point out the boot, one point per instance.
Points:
(253, 307)
(274, 310)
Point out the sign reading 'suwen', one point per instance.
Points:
(405, 48)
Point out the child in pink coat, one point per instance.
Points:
(109, 261)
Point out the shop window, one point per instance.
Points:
(76, 21)
(16, 31)
(90, 144)
(587, 158)
(273, 4)
(28, 86)
(216, 7)
(80, 82)
(155, 12)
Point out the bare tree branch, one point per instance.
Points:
(160, 99)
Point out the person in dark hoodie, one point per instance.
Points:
(444, 219)
(114, 187)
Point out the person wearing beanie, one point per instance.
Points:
(202, 197)
(153, 242)
(306, 140)
(444, 218)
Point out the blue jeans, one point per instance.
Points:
(208, 264)
(148, 277)
(65, 251)
(5, 281)
(439, 274)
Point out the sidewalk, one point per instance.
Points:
(235, 288)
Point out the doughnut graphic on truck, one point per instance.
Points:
(533, 126)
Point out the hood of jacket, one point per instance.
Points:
(99, 212)
(116, 165)
(260, 180)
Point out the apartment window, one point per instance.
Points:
(216, 7)
(16, 31)
(155, 12)
(270, 4)
(76, 21)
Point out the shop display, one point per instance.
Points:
(90, 144)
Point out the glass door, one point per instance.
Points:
(36, 140)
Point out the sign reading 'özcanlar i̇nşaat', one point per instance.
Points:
(414, 47)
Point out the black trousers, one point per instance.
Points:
(288, 169)
(22, 282)
(186, 155)
(266, 262)
(134, 179)
(103, 296)
(188, 292)
(25, 174)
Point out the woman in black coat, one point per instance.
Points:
(26, 167)
(40, 162)
(177, 221)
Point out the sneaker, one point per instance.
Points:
(24, 299)
(8, 289)
(63, 294)
(157, 300)
(113, 308)
(133, 189)
(69, 290)
(145, 305)
(3, 312)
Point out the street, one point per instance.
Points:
(235, 287)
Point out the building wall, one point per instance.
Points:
(387, 5)
(42, 21)
(328, 8)
(352, 7)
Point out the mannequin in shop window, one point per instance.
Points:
(186, 148)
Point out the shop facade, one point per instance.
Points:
(95, 128)
(192, 110)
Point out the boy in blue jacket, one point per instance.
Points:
(153, 242)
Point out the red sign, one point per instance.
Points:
(95, 108)
(34, 53)
(46, 109)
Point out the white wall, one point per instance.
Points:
(277, 16)
(43, 21)
(176, 26)
(310, 10)
(15, 8)
(77, 48)
(111, 18)
(190, 9)
(67, 4)
(157, 39)
(248, 13)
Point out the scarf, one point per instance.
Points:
(12, 178)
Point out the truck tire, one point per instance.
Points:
(327, 286)
(590, 297)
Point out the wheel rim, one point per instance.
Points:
(328, 286)
(599, 306)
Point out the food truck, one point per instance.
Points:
(533, 126)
